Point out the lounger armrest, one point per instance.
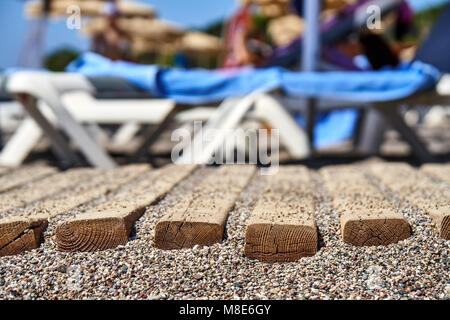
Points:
(36, 83)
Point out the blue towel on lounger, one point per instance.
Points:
(203, 86)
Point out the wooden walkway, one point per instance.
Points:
(281, 226)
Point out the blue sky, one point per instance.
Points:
(14, 27)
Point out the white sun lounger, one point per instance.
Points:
(65, 101)
(378, 116)
(87, 110)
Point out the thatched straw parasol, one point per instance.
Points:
(274, 10)
(152, 29)
(198, 42)
(145, 45)
(154, 35)
(192, 42)
(285, 29)
(91, 8)
(338, 5)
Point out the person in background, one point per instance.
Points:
(112, 43)
(378, 51)
(244, 41)
(236, 31)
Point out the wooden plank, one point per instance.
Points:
(282, 226)
(439, 171)
(366, 217)
(19, 235)
(199, 219)
(419, 190)
(99, 185)
(44, 188)
(109, 225)
(24, 175)
(21, 231)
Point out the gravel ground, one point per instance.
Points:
(416, 268)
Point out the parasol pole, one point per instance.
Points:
(311, 56)
(311, 43)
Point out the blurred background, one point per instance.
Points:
(160, 31)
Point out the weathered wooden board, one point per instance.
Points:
(109, 225)
(18, 235)
(43, 188)
(26, 174)
(200, 218)
(282, 226)
(367, 218)
(419, 190)
(22, 231)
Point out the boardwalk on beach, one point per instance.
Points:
(93, 210)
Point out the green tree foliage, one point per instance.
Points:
(58, 60)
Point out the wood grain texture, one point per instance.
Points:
(439, 171)
(26, 174)
(26, 227)
(109, 225)
(43, 188)
(18, 235)
(367, 218)
(199, 219)
(282, 226)
(419, 190)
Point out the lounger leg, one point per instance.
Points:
(91, 150)
(311, 113)
(215, 121)
(125, 133)
(291, 134)
(226, 117)
(59, 143)
(97, 133)
(152, 134)
(49, 88)
(391, 114)
(20, 144)
(371, 132)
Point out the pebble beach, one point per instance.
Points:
(415, 268)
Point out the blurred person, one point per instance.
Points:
(236, 31)
(112, 43)
(378, 51)
(244, 42)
